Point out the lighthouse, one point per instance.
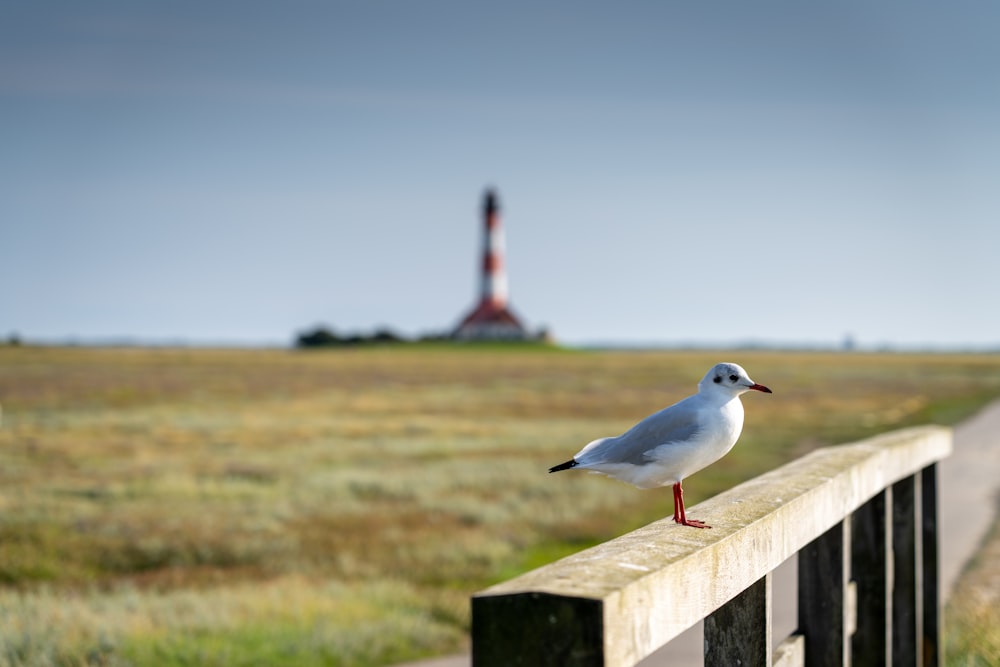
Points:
(492, 319)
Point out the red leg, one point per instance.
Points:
(679, 515)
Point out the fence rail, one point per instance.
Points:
(862, 519)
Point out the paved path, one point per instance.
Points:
(969, 482)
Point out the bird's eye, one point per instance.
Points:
(718, 379)
(734, 378)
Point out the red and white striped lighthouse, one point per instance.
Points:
(493, 288)
(492, 318)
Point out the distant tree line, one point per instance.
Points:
(323, 336)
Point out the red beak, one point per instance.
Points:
(760, 387)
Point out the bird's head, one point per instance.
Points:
(730, 378)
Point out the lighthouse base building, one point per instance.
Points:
(492, 318)
(487, 322)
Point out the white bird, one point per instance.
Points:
(677, 441)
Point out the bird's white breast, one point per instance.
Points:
(721, 426)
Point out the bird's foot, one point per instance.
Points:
(694, 523)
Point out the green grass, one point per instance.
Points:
(162, 506)
(289, 621)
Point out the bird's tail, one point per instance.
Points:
(564, 466)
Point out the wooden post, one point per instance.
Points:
(931, 575)
(824, 567)
(739, 632)
(871, 546)
(537, 629)
(906, 594)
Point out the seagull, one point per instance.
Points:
(677, 441)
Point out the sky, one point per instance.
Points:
(668, 172)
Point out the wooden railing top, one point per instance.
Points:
(656, 582)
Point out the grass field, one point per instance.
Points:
(235, 507)
(972, 616)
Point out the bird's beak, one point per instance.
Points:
(760, 387)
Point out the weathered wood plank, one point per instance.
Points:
(656, 582)
(931, 576)
(791, 652)
(906, 609)
(739, 632)
(824, 568)
(871, 547)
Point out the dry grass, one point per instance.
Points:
(972, 618)
(157, 506)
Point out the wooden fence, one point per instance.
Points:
(861, 517)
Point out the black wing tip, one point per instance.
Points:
(564, 466)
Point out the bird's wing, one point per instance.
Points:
(677, 423)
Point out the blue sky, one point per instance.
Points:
(668, 171)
